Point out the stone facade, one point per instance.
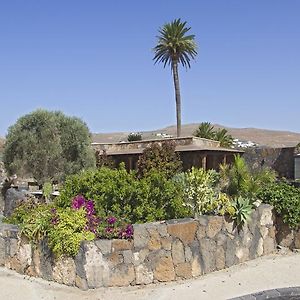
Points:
(285, 236)
(193, 151)
(279, 159)
(158, 252)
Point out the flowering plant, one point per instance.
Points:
(88, 205)
(109, 227)
(114, 228)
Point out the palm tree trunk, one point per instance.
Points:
(177, 96)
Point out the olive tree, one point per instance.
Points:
(48, 146)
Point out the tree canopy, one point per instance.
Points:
(48, 146)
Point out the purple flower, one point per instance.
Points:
(78, 202)
(54, 221)
(90, 207)
(111, 220)
(92, 222)
(53, 211)
(109, 230)
(129, 231)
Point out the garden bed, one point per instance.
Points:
(158, 252)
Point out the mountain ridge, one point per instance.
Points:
(263, 137)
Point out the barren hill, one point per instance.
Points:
(263, 137)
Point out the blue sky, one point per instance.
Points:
(93, 59)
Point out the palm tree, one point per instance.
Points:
(225, 139)
(175, 47)
(205, 130)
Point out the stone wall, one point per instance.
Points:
(279, 159)
(158, 252)
(285, 236)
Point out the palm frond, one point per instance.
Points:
(173, 45)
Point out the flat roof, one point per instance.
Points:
(186, 148)
(154, 140)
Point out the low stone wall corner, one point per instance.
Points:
(159, 252)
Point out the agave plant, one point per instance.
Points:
(243, 209)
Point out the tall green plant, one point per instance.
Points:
(207, 130)
(201, 192)
(47, 190)
(225, 139)
(161, 157)
(175, 47)
(48, 146)
(235, 177)
(239, 180)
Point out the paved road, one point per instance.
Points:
(276, 271)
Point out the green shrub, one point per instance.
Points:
(236, 177)
(161, 157)
(20, 213)
(286, 201)
(34, 220)
(64, 228)
(66, 234)
(113, 190)
(159, 198)
(47, 146)
(201, 193)
(132, 137)
(119, 193)
(239, 180)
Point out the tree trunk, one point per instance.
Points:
(177, 96)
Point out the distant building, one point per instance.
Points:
(193, 151)
(243, 144)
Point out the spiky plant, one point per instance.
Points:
(243, 209)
